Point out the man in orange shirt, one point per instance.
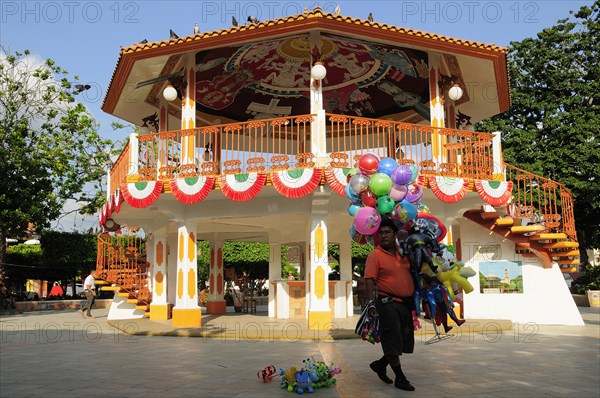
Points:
(388, 273)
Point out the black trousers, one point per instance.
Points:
(396, 327)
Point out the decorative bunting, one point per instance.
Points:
(337, 179)
(296, 183)
(192, 190)
(242, 187)
(102, 215)
(496, 193)
(448, 189)
(141, 194)
(117, 200)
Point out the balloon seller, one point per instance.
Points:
(388, 279)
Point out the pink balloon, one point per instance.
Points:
(398, 192)
(367, 220)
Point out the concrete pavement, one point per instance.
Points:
(58, 353)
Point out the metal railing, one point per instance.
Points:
(282, 143)
(459, 153)
(235, 148)
(121, 169)
(540, 200)
(121, 261)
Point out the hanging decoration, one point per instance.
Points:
(141, 194)
(296, 183)
(337, 179)
(242, 187)
(117, 200)
(190, 190)
(449, 189)
(496, 193)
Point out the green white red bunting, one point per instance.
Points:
(296, 183)
(448, 189)
(496, 193)
(117, 200)
(242, 187)
(141, 194)
(337, 179)
(192, 190)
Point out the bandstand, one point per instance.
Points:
(247, 134)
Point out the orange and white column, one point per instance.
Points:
(186, 313)
(319, 312)
(216, 298)
(188, 113)
(436, 107)
(159, 309)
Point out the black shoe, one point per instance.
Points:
(377, 368)
(404, 384)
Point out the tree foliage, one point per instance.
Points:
(49, 145)
(552, 126)
(60, 256)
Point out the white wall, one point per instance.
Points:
(546, 298)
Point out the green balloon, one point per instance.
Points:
(380, 184)
(385, 205)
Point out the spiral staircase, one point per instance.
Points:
(121, 267)
(539, 220)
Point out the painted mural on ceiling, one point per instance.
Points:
(271, 79)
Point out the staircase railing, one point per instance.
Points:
(122, 262)
(541, 200)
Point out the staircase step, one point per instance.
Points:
(505, 222)
(110, 288)
(570, 269)
(526, 229)
(561, 245)
(142, 308)
(548, 236)
(570, 253)
(123, 294)
(568, 262)
(489, 215)
(101, 282)
(132, 301)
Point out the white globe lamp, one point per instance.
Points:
(170, 93)
(455, 93)
(318, 71)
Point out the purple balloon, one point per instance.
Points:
(414, 194)
(401, 175)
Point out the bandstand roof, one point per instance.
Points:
(262, 70)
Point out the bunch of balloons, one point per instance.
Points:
(381, 188)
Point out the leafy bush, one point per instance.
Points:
(588, 280)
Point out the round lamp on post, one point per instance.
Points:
(318, 73)
(455, 92)
(170, 93)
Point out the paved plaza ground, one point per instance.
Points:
(59, 354)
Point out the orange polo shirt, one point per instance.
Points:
(391, 272)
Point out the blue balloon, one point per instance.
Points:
(353, 208)
(350, 194)
(410, 209)
(387, 165)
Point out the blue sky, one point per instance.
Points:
(84, 37)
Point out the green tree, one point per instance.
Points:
(552, 126)
(50, 150)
